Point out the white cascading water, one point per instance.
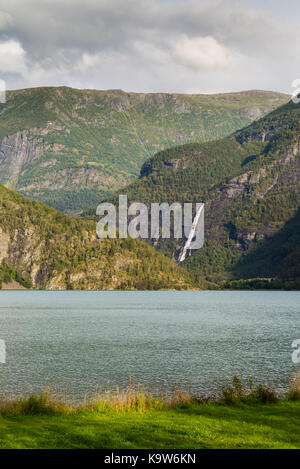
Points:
(191, 234)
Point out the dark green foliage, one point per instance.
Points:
(68, 201)
(9, 274)
(279, 253)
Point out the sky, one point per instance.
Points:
(183, 46)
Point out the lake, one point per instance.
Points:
(77, 341)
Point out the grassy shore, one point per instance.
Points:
(238, 419)
(190, 426)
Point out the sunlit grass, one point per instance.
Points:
(242, 416)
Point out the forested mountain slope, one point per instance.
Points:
(250, 184)
(43, 248)
(71, 148)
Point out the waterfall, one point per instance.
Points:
(186, 247)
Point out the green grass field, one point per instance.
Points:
(189, 426)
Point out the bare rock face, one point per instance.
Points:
(252, 113)
(21, 248)
(4, 244)
(17, 150)
(121, 103)
(292, 152)
(42, 274)
(259, 136)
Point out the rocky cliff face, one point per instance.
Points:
(16, 151)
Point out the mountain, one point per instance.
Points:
(71, 148)
(279, 253)
(43, 248)
(249, 182)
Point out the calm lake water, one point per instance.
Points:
(76, 341)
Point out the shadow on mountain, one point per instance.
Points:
(276, 257)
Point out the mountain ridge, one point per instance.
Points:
(71, 148)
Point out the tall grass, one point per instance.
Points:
(238, 392)
(137, 399)
(294, 392)
(45, 403)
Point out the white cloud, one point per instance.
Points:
(86, 62)
(152, 53)
(12, 57)
(201, 52)
(147, 45)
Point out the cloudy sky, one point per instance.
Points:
(190, 46)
